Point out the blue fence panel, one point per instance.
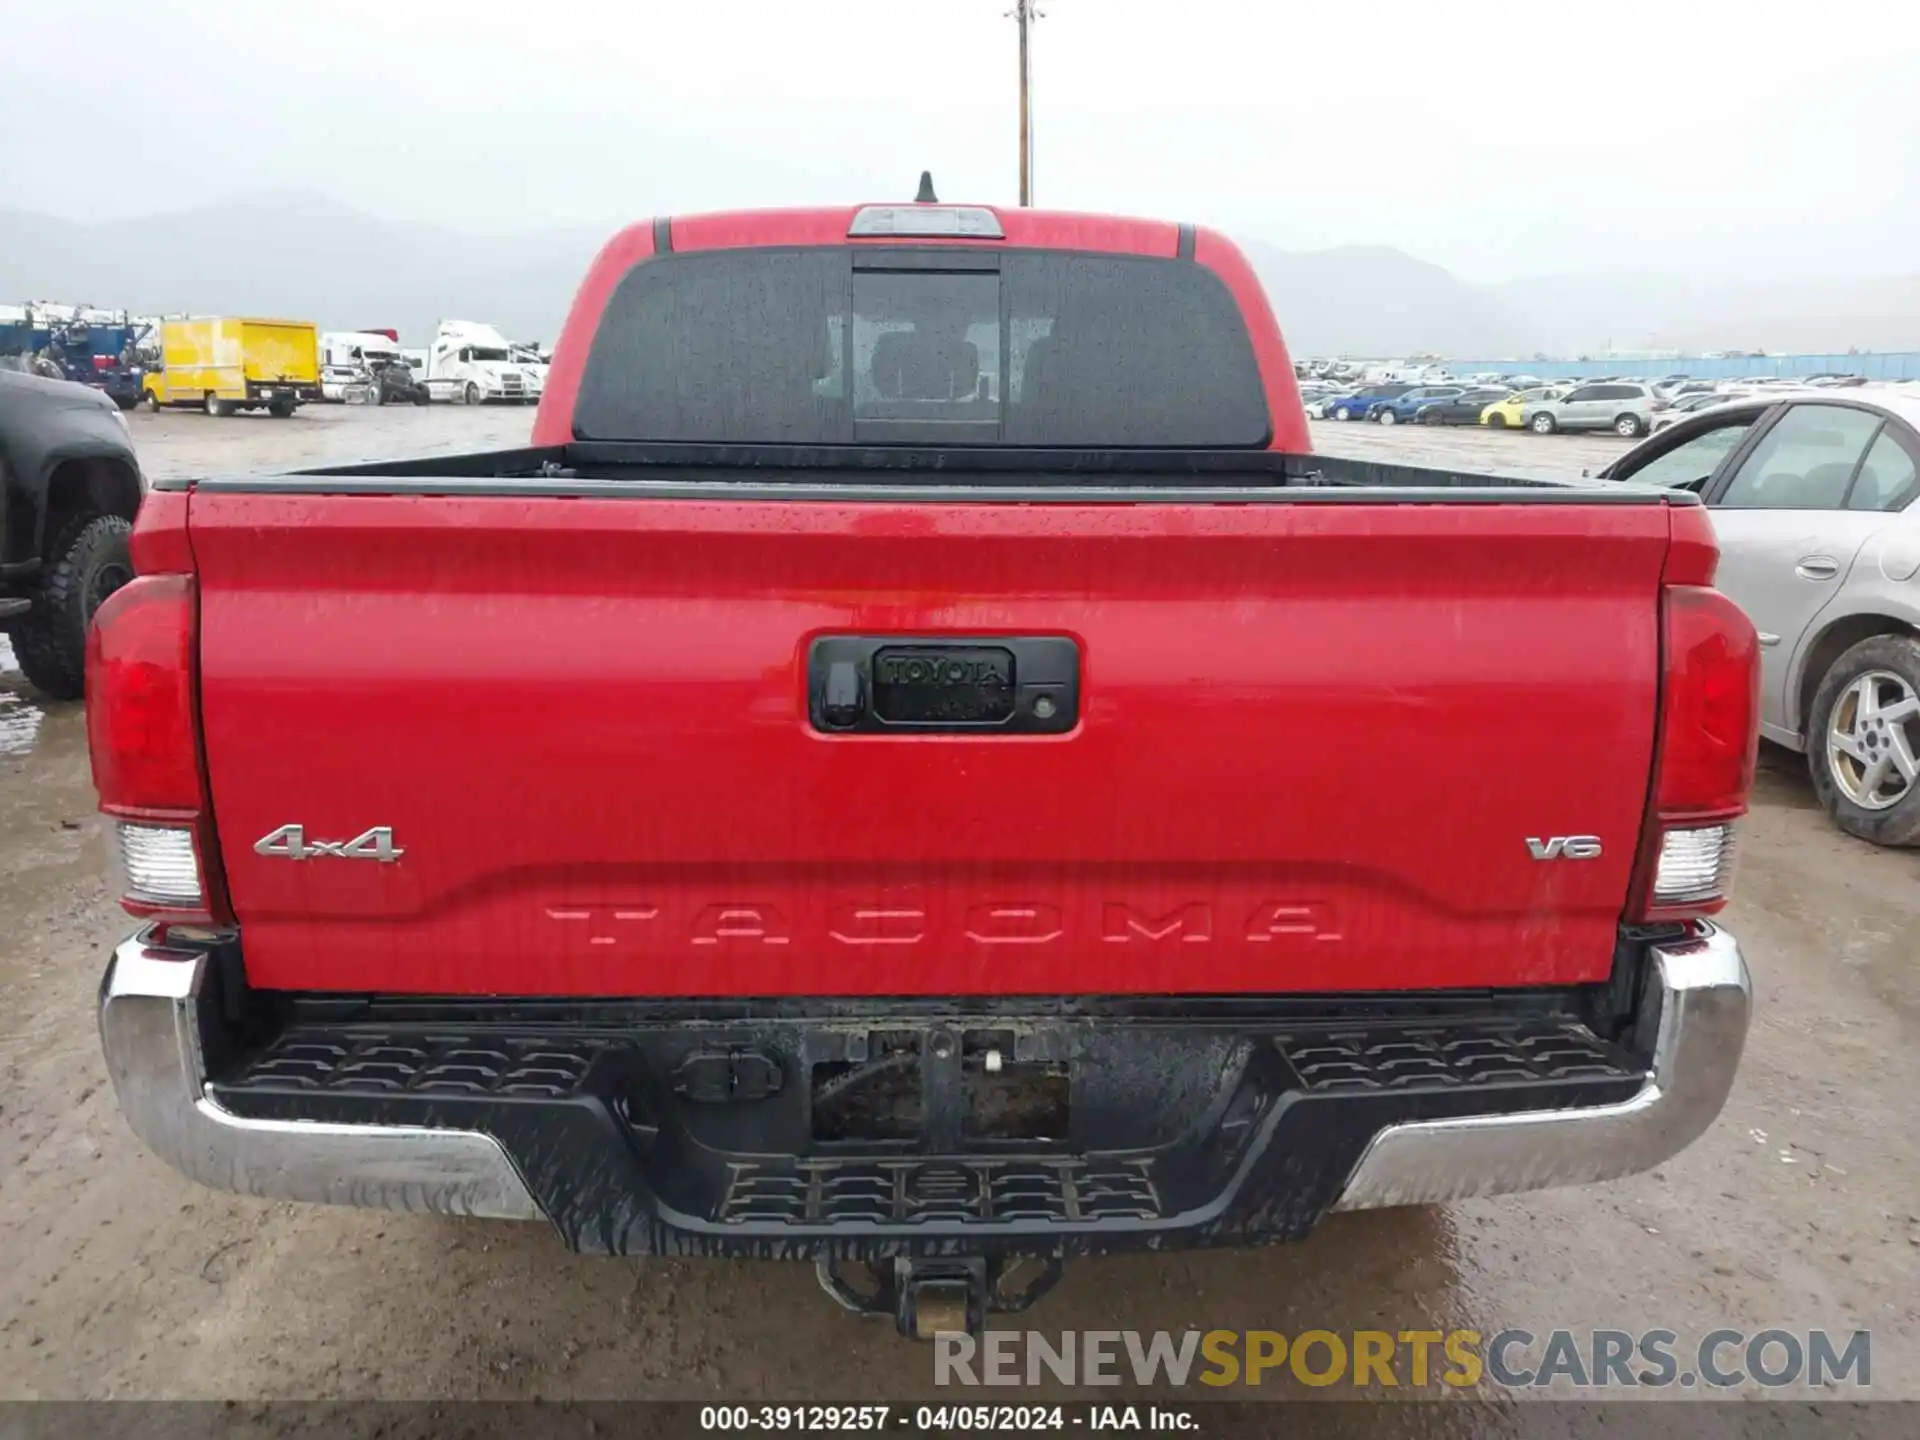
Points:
(1887, 365)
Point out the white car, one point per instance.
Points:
(1314, 395)
(1671, 390)
(1815, 499)
(1693, 404)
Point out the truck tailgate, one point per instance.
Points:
(1320, 746)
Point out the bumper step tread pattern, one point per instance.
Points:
(957, 1191)
(546, 1068)
(1404, 1059)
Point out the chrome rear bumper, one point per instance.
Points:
(154, 1005)
(1695, 1013)
(150, 1004)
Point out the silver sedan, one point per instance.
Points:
(1815, 497)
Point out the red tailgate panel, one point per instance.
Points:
(1315, 740)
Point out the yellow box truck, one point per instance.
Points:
(224, 365)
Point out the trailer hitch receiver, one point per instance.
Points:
(927, 1297)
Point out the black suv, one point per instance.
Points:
(69, 489)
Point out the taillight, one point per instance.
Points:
(1709, 734)
(140, 730)
(143, 739)
(103, 362)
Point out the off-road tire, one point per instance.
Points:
(1899, 824)
(50, 640)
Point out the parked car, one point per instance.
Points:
(671, 964)
(394, 383)
(1357, 404)
(1671, 390)
(1315, 395)
(1816, 503)
(1511, 412)
(1466, 408)
(1401, 408)
(70, 486)
(1624, 407)
(1692, 405)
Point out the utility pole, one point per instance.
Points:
(1025, 12)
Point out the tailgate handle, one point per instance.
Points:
(992, 684)
(846, 696)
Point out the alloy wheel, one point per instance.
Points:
(1873, 739)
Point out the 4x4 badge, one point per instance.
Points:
(290, 842)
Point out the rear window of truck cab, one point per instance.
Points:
(923, 346)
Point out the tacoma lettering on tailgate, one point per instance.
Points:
(995, 923)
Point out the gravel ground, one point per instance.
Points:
(1801, 1207)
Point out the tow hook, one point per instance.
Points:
(927, 1297)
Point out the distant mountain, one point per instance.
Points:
(1574, 314)
(299, 254)
(1374, 300)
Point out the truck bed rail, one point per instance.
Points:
(682, 471)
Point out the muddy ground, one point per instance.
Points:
(1800, 1208)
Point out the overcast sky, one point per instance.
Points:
(1731, 140)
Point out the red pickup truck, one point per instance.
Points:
(918, 767)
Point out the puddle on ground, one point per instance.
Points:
(19, 724)
(20, 719)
